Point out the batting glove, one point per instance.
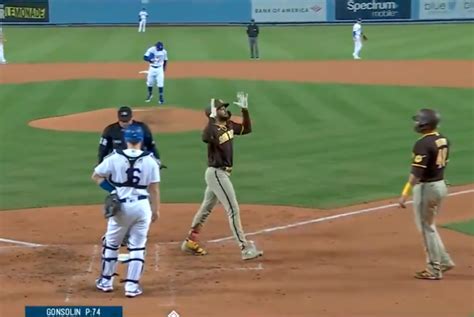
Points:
(213, 109)
(242, 100)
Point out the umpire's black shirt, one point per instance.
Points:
(252, 30)
(112, 138)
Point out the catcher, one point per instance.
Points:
(133, 176)
(219, 135)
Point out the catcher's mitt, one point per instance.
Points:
(112, 205)
(364, 37)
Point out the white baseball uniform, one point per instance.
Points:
(2, 53)
(357, 37)
(155, 70)
(142, 15)
(131, 181)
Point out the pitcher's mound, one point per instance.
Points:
(162, 119)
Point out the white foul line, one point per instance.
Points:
(94, 255)
(26, 244)
(322, 219)
(157, 256)
(72, 281)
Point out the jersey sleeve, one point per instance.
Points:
(419, 158)
(149, 54)
(155, 171)
(238, 128)
(105, 144)
(149, 142)
(104, 168)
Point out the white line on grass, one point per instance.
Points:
(322, 219)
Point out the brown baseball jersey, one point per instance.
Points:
(220, 137)
(430, 157)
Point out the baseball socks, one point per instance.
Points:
(161, 91)
(150, 94)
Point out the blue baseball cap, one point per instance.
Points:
(159, 46)
(133, 134)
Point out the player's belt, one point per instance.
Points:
(131, 200)
(155, 66)
(225, 168)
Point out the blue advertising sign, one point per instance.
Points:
(373, 9)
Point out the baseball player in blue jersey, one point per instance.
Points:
(157, 57)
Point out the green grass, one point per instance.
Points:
(36, 44)
(313, 145)
(466, 227)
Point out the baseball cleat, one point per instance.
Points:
(130, 294)
(148, 99)
(104, 285)
(250, 251)
(428, 275)
(192, 247)
(447, 267)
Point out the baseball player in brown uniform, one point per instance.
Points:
(219, 135)
(430, 157)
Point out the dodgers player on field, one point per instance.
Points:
(357, 37)
(142, 16)
(2, 54)
(135, 176)
(158, 59)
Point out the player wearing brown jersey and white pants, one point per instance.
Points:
(219, 135)
(430, 157)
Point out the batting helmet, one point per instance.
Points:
(426, 119)
(159, 46)
(133, 134)
(218, 103)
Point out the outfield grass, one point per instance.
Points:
(466, 227)
(315, 145)
(36, 44)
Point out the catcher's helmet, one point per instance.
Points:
(426, 119)
(159, 46)
(133, 134)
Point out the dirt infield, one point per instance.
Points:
(316, 262)
(434, 73)
(358, 265)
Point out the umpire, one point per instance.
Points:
(112, 137)
(252, 33)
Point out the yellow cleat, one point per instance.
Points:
(192, 247)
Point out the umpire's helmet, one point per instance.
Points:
(159, 46)
(426, 119)
(133, 134)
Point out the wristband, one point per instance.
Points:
(406, 189)
(105, 185)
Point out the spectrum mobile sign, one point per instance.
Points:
(373, 9)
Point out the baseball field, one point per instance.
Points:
(317, 179)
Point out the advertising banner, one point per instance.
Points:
(289, 10)
(24, 11)
(373, 9)
(446, 9)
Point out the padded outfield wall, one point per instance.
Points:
(231, 11)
